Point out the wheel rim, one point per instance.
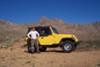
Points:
(67, 47)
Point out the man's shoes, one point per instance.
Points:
(37, 51)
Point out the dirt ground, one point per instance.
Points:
(17, 56)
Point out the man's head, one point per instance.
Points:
(31, 28)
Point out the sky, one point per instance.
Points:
(70, 11)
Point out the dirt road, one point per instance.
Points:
(17, 56)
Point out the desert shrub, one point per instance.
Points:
(8, 37)
(89, 45)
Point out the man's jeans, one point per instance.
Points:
(34, 42)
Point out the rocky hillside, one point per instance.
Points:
(88, 34)
(9, 33)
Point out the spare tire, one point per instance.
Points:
(31, 48)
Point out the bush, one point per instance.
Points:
(88, 45)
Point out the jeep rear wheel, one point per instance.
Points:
(68, 46)
(42, 48)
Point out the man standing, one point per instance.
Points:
(33, 35)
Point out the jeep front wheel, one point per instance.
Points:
(68, 46)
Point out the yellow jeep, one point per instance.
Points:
(49, 37)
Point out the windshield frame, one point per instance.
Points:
(55, 30)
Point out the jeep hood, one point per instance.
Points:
(72, 36)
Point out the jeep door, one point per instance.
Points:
(46, 37)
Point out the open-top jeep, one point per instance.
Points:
(49, 37)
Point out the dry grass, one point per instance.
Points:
(9, 33)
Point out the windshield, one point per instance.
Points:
(54, 30)
(43, 31)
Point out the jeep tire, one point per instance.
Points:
(68, 46)
(42, 48)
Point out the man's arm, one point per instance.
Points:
(38, 34)
(29, 35)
